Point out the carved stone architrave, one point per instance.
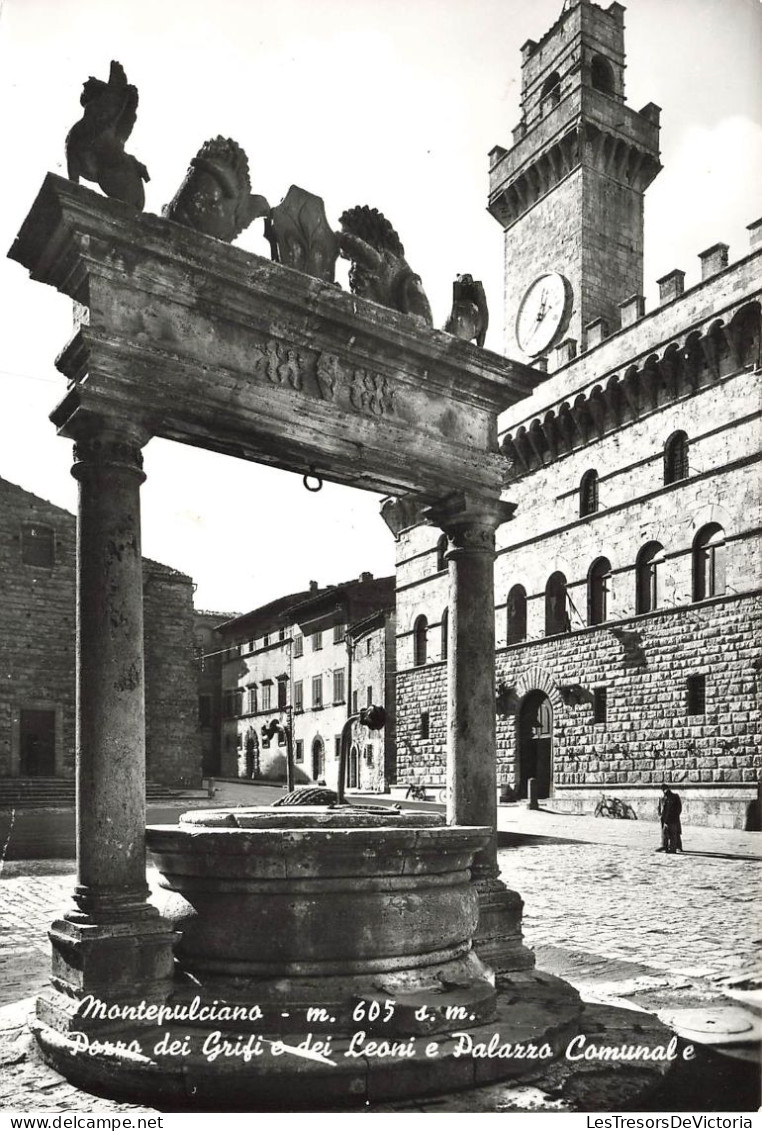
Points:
(228, 351)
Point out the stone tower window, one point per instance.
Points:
(648, 570)
(598, 580)
(420, 641)
(556, 613)
(516, 615)
(602, 75)
(551, 92)
(709, 562)
(38, 545)
(441, 551)
(445, 629)
(588, 493)
(676, 458)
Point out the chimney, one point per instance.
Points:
(365, 576)
(313, 587)
(714, 259)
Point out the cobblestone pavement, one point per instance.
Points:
(618, 920)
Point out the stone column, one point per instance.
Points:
(113, 943)
(471, 746)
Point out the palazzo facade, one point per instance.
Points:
(628, 603)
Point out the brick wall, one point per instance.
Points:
(37, 647)
(173, 742)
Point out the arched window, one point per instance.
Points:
(676, 458)
(551, 91)
(445, 629)
(648, 574)
(420, 641)
(441, 551)
(556, 613)
(588, 493)
(598, 591)
(516, 615)
(709, 562)
(602, 75)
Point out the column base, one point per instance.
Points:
(498, 939)
(112, 961)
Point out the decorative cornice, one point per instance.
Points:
(680, 368)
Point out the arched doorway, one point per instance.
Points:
(536, 743)
(353, 769)
(318, 759)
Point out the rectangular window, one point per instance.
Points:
(299, 645)
(250, 646)
(317, 691)
(599, 704)
(696, 694)
(338, 686)
(239, 742)
(282, 694)
(204, 710)
(368, 647)
(253, 699)
(267, 696)
(369, 697)
(38, 546)
(317, 641)
(337, 746)
(355, 702)
(338, 633)
(424, 724)
(281, 634)
(298, 695)
(299, 750)
(266, 640)
(369, 754)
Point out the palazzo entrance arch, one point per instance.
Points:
(185, 337)
(536, 743)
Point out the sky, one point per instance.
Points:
(391, 103)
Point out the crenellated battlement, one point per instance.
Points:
(692, 339)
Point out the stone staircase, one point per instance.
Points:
(58, 793)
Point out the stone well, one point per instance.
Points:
(300, 908)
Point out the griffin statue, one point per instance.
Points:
(95, 144)
(215, 198)
(379, 270)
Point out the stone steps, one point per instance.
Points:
(59, 793)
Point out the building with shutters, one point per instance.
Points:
(628, 603)
(310, 660)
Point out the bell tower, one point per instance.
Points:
(569, 192)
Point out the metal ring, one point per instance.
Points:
(312, 475)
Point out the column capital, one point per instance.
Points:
(470, 521)
(109, 442)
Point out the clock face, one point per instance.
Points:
(543, 313)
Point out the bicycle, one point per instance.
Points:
(416, 791)
(614, 807)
